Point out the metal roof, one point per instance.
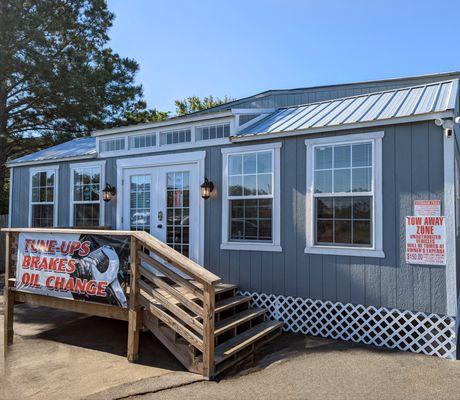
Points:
(76, 148)
(372, 107)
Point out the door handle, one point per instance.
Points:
(159, 226)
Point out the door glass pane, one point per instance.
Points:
(139, 212)
(177, 211)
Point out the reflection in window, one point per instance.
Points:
(250, 193)
(42, 199)
(139, 209)
(178, 211)
(343, 191)
(86, 196)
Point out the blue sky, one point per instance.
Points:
(238, 48)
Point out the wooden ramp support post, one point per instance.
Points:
(208, 330)
(8, 298)
(135, 312)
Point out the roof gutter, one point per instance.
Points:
(325, 129)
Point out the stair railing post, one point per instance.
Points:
(134, 313)
(209, 300)
(8, 298)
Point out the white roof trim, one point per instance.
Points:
(169, 122)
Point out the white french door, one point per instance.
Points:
(164, 201)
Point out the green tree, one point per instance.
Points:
(140, 114)
(58, 77)
(194, 103)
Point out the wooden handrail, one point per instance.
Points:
(189, 267)
(201, 325)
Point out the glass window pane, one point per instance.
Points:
(264, 184)
(324, 231)
(323, 181)
(265, 229)
(249, 185)
(362, 232)
(235, 185)
(323, 157)
(342, 207)
(42, 215)
(264, 162)
(36, 179)
(249, 163)
(42, 179)
(342, 155)
(342, 231)
(341, 181)
(362, 155)
(35, 195)
(324, 207)
(362, 179)
(362, 207)
(235, 164)
(251, 219)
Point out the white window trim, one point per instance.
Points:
(377, 248)
(32, 171)
(254, 246)
(73, 167)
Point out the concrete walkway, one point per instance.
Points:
(302, 367)
(63, 355)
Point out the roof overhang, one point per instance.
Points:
(50, 161)
(344, 127)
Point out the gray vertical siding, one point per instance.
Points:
(412, 169)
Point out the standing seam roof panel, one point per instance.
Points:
(396, 103)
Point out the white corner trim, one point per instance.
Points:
(449, 211)
(377, 248)
(275, 245)
(10, 200)
(32, 171)
(95, 163)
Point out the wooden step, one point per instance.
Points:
(220, 288)
(237, 319)
(231, 302)
(245, 339)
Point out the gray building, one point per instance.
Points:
(311, 190)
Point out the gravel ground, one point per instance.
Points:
(303, 367)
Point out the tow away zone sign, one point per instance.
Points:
(426, 240)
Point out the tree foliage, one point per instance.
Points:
(194, 103)
(58, 77)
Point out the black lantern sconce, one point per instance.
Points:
(206, 188)
(109, 192)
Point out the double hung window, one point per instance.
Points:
(43, 195)
(251, 201)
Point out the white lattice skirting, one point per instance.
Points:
(418, 332)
